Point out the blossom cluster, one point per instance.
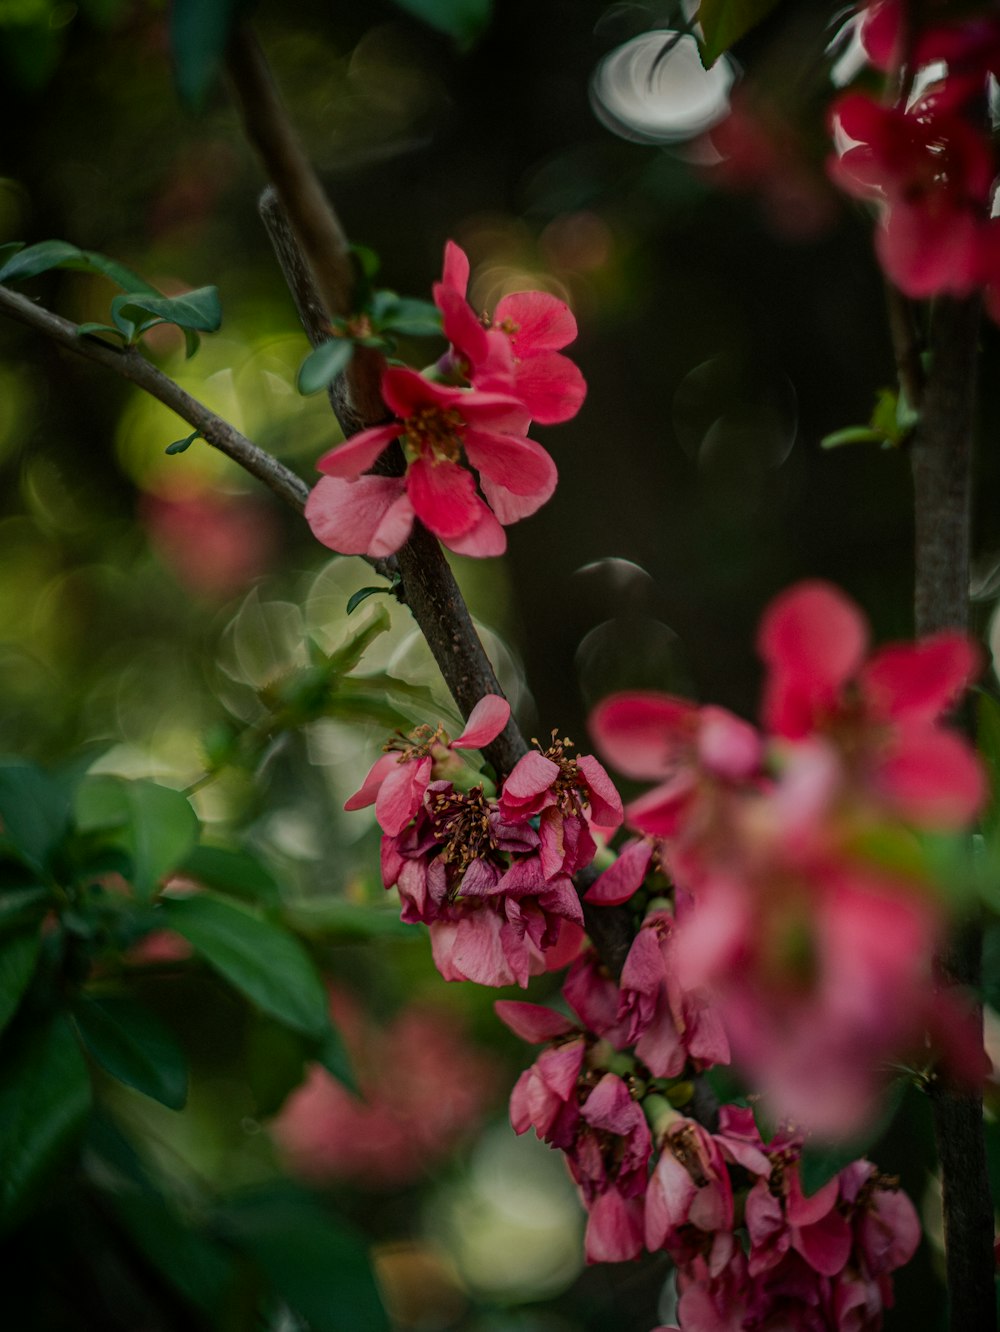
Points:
(491, 876)
(802, 901)
(474, 408)
(751, 1248)
(927, 159)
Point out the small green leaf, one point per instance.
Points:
(237, 873)
(34, 813)
(409, 318)
(135, 1047)
(22, 906)
(362, 594)
(199, 309)
(11, 248)
(724, 22)
(27, 263)
(354, 920)
(44, 1099)
(261, 960)
(202, 1270)
(179, 445)
(366, 260)
(464, 20)
(323, 364)
(97, 330)
(199, 32)
(318, 1265)
(18, 955)
(852, 435)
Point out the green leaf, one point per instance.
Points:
(34, 813)
(362, 594)
(464, 20)
(159, 827)
(724, 22)
(852, 435)
(317, 1264)
(18, 956)
(27, 263)
(135, 1047)
(179, 445)
(198, 309)
(410, 318)
(199, 32)
(261, 960)
(96, 330)
(333, 1055)
(353, 919)
(11, 248)
(323, 364)
(22, 906)
(349, 653)
(234, 872)
(199, 1268)
(44, 1099)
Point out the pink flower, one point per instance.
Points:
(358, 514)
(932, 173)
(396, 782)
(882, 714)
(518, 352)
(656, 737)
(425, 1091)
(668, 1024)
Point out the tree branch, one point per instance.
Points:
(129, 364)
(942, 481)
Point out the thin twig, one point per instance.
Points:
(131, 365)
(905, 345)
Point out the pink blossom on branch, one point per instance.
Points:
(518, 351)
(359, 514)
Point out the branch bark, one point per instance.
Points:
(942, 481)
(133, 366)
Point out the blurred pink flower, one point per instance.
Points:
(426, 1090)
(215, 544)
(358, 514)
(519, 351)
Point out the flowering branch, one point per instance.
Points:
(131, 365)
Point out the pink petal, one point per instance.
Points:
(496, 413)
(519, 465)
(614, 1229)
(624, 878)
(371, 516)
(658, 813)
(826, 1245)
(400, 794)
(727, 745)
(482, 541)
(510, 508)
(406, 392)
(814, 637)
(455, 269)
(933, 777)
(369, 788)
(530, 777)
(551, 387)
(609, 1106)
(543, 322)
(642, 734)
(461, 327)
(559, 1068)
(358, 453)
(532, 1022)
(486, 720)
(443, 496)
(605, 802)
(478, 952)
(919, 681)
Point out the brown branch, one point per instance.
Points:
(942, 480)
(129, 364)
(905, 345)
